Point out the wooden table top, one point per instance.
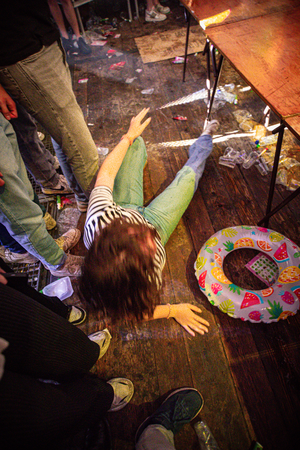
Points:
(265, 51)
(240, 9)
(293, 124)
(261, 40)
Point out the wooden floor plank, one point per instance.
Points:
(248, 373)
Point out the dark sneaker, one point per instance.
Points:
(178, 409)
(211, 127)
(154, 16)
(102, 338)
(60, 188)
(71, 267)
(123, 393)
(77, 315)
(66, 43)
(69, 239)
(84, 48)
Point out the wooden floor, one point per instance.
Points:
(248, 374)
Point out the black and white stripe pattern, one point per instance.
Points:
(102, 211)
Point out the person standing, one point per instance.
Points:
(33, 69)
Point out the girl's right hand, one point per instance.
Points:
(136, 127)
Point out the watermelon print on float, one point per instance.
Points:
(271, 304)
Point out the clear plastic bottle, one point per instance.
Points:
(261, 168)
(205, 437)
(271, 139)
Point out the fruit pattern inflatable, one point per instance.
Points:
(268, 305)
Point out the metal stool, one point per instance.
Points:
(76, 4)
(136, 9)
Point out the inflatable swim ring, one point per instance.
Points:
(268, 305)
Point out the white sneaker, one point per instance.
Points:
(102, 338)
(69, 239)
(123, 393)
(49, 221)
(56, 164)
(162, 9)
(61, 187)
(71, 267)
(211, 127)
(18, 258)
(77, 315)
(154, 16)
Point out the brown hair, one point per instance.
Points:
(118, 276)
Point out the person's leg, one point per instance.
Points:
(42, 84)
(38, 160)
(8, 242)
(36, 415)
(68, 173)
(128, 187)
(158, 430)
(23, 218)
(70, 14)
(58, 17)
(42, 344)
(156, 436)
(165, 211)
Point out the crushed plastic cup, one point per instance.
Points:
(130, 80)
(230, 153)
(102, 150)
(61, 288)
(237, 156)
(250, 160)
(240, 158)
(147, 91)
(228, 162)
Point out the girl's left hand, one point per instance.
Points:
(184, 314)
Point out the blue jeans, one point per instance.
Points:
(42, 84)
(9, 242)
(23, 218)
(38, 160)
(165, 211)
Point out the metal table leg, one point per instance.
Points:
(186, 42)
(280, 131)
(209, 50)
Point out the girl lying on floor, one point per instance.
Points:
(122, 272)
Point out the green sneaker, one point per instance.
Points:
(178, 409)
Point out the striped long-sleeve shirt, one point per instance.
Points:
(103, 210)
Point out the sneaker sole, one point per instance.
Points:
(154, 20)
(124, 402)
(137, 435)
(82, 319)
(56, 192)
(105, 346)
